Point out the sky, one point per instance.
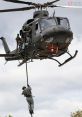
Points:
(57, 90)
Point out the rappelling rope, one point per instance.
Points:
(26, 68)
(26, 65)
(27, 73)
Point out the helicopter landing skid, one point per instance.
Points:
(67, 60)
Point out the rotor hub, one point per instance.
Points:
(40, 13)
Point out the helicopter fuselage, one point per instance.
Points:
(51, 36)
(43, 37)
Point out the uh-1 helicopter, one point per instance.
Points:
(41, 37)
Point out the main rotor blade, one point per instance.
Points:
(50, 3)
(38, 5)
(21, 2)
(17, 9)
(76, 7)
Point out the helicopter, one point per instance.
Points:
(42, 37)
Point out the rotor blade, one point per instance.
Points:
(50, 3)
(21, 2)
(54, 6)
(17, 9)
(31, 3)
(76, 7)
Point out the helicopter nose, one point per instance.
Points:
(55, 30)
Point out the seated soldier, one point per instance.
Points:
(27, 32)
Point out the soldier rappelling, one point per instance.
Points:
(29, 98)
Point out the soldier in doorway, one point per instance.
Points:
(19, 42)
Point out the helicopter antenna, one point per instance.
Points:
(54, 13)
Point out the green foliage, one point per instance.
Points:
(77, 114)
(10, 116)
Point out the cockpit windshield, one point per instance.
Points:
(63, 22)
(45, 23)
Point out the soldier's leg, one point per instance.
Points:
(31, 109)
(30, 105)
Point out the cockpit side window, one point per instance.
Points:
(37, 27)
(30, 20)
(27, 24)
(58, 20)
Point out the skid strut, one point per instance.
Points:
(70, 58)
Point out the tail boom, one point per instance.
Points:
(6, 48)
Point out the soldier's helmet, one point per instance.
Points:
(23, 87)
